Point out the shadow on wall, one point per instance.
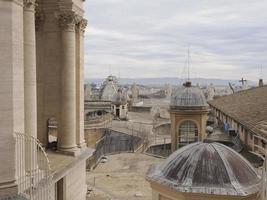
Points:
(52, 132)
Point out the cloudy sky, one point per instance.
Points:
(150, 38)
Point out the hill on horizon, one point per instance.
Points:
(168, 80)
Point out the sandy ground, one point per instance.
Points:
(121, 178)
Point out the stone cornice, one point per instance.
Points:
(18, 2)
(78, 9)
(29, 4)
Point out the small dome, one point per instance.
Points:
(111, 78)
(210, 168)
(188, 96)
(120, 98)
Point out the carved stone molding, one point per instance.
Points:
(68, 21)
(18, 2)
(39, 20)
(29, 4)
(81, 26)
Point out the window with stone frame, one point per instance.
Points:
(188, 132)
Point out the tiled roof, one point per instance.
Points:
(248, 107)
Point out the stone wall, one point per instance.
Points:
(75, 183)
(93, 135)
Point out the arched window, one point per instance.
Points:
(188, 133)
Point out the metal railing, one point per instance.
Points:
(33, 169)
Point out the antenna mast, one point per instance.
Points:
(261, 72)
(188, 67)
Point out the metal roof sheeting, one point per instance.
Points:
(188, 97)
(209, 168)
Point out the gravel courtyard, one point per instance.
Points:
(121, 177)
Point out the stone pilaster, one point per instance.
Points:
(30, 85)
(80, 29)
(67, 136)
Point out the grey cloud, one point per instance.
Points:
(150, 38)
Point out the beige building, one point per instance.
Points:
(246, 113)
(98, 119)
(41, 80)
(109, 88)
(188, 113)
(120, 105)
(202, 171)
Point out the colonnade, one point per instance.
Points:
(71, 27)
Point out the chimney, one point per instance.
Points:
(261, 82)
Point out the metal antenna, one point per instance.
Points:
(188, 65)
(261, 75)
(119, 75)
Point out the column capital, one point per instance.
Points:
(29, 4)
(68, 20)
(82, 25)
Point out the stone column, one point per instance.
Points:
(30, 98)
(67, 135)
(30, 85)
(40, 58)
(80, 29)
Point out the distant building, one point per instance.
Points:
(87, 92)
(188, 112)
(135, 93)
(205, 172)
(245, 112)
(168, 90)
(210, 92)
(120, 105)
(109, 88)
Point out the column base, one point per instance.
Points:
(82, 146)
(75, 151)
(9, 189)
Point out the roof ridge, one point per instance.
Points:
(230, 173)
(189, 179)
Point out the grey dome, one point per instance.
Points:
(120, 98)
(188, 96)
(210, 168)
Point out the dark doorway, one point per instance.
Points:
(60, 189)
(117, 112)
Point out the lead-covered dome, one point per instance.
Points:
(210, 168)
(120, 98)
(188, 96)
